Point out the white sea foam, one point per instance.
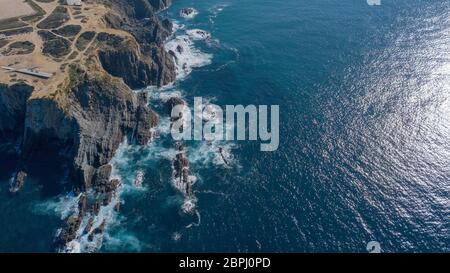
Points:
(86, 240)
(177, 26)
(166, 95)
(122, 240)
(73, 247)
(186, 55)
(198, 34)
(199, 220)
(189, 205)
(176, 236)
(215, 11)
(63, 206)
(106, 215)
(188, 13)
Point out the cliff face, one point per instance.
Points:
(138, 69)
(139, 9)
(94, 109)
(89, 125)
(149, 64)
(77, 119)
(106, 112)
(13, 100)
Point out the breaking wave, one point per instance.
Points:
(186, 56)
(129, 159)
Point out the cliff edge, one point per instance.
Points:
(95, 55)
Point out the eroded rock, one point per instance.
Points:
(18, 182)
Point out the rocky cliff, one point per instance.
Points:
(93, 110)
(77, 119)
(88, 123)
(13, 100)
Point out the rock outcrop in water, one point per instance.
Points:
(188, 13)
(18, 182)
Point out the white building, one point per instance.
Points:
(73, 2)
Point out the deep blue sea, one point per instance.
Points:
(364, 155)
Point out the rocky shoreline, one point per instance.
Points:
(93, 109)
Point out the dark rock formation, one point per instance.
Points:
(160, 4)
(137, 70)
(172, 102)
(97, 230)
(181, 170)
(93, 110)
(188, 12)
(13, 101)
(18, 182)
(140, 9)
(92, 114)
(89, 225)
(69, 232)
(138, 18)
(90, 125)
(101, 179)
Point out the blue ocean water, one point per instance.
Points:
(364, 137)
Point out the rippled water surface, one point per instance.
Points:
(364, 95)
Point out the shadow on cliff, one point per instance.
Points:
(49, 170)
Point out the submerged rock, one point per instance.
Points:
(18, 182)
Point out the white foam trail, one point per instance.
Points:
(199, 220)
(121, 241)
(63, 205)
(215, 11)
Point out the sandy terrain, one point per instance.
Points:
(14, 8)
(40, 62)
